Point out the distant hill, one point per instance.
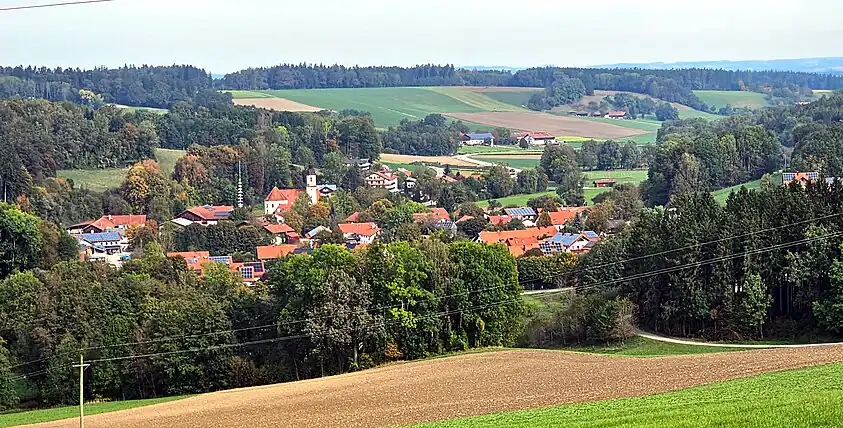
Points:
(830, 65)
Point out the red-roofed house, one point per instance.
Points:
(363, 233)
(447, 179)
(108, 223)
(273, 252)
(503, 236)
(615, 115)
(499, 220)
(564, 215)
(383, 180)
(207, 214)
(437, 214)
(282, 233)
(197, 262)
(464, 218)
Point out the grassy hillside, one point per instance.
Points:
(515, 161)
(518, 99)
(798, 398)
(735, 98)
(643, 347)
(388, 106)
(476, 99)
(633, 176)
(101, 180)
(642, 124)
(723, 194)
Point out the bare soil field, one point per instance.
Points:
(279, 104)
(444, 160)
(558, 125)
(453, 387)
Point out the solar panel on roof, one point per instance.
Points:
(220, 259)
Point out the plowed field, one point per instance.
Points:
(557, 125)
(453, 387)
(280, 104)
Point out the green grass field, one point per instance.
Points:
(500, 150)
(686, 112)
(475, 99)
(735, 98)
(388, 106)
(643, 347)
(150, 109)
(810, 397)
(48, 415)
(248, 94)
(100, 180)
(639, 124)
(513, 161)
(517, 99)
(622, 175)
(723, 194)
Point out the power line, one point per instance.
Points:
(701, 244)
(41, 6)
(499, 303)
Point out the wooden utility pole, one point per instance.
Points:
(82, 367)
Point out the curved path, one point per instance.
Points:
(666, 339)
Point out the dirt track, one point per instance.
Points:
(557, 125)
(280, 104)
(444, 160)
(454, 387)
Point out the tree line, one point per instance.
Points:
(147, 86)
(767, 264)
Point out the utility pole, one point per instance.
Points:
(82, 367)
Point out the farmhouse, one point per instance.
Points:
(383, 180)
(605, 182)
(206, 215)
(536, 138)
(615, 115)
(523, 214)
(437, 215)
(108, 243)
(576, 243)
(106, 223)
(477, 139)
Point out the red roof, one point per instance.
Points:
(499, 220)
(532, 232)
(605, 181)
(448, 179)
(362, 229)
(277, 229)
(353, 217)
(272, 252)
(520, 135)
(541, 135)
(519, 246)
(194, 259)
(278, 195)
(209, 212)
(558, 218)
(464, 218)
(386, 175)
(436, 215)
(111, 221)
(616, 114)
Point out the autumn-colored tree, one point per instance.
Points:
(144, 184)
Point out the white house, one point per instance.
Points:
(478, 139)
(361, 233)
(383, 180)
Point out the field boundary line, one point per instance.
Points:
(666, 339)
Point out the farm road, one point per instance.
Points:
(464, 385)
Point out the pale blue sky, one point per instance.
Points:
(223, 36)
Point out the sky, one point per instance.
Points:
(225, 36)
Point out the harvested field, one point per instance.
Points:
(279, 104)
(458, 386)
(444, 160)
(558, 125)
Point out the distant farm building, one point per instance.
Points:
(478, 139)
(605, 182)
(803, 178)
(615, 115)
(537, 138)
